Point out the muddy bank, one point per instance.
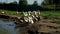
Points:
(4, 16)
(49, 25)
(8, 17)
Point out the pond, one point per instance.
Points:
(7, 27)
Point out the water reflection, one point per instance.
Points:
(9, 26)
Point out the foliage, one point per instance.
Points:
(51, 4)
(15, 2)
(35, 3)
(23, 2)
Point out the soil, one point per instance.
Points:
(47, 27)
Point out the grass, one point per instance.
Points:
(10, 12)
(43, 13)
(53, 13)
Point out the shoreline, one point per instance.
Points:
(8, 18)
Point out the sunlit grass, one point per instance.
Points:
(53, 13)
(43, 13)
(7, 12)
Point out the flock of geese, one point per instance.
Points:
(28, 18)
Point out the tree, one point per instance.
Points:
(15, 2)
(23, 2)
(47, 2)
(51, 4)
(55, 1)
(22, 5)
(35, 5)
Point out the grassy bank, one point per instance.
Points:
(53, 13)
(43, 13)
(7, 12)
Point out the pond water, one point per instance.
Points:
(7, 27)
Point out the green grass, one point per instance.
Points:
(53, 13)
(43, 13)
(10, 12)
(7, 12)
